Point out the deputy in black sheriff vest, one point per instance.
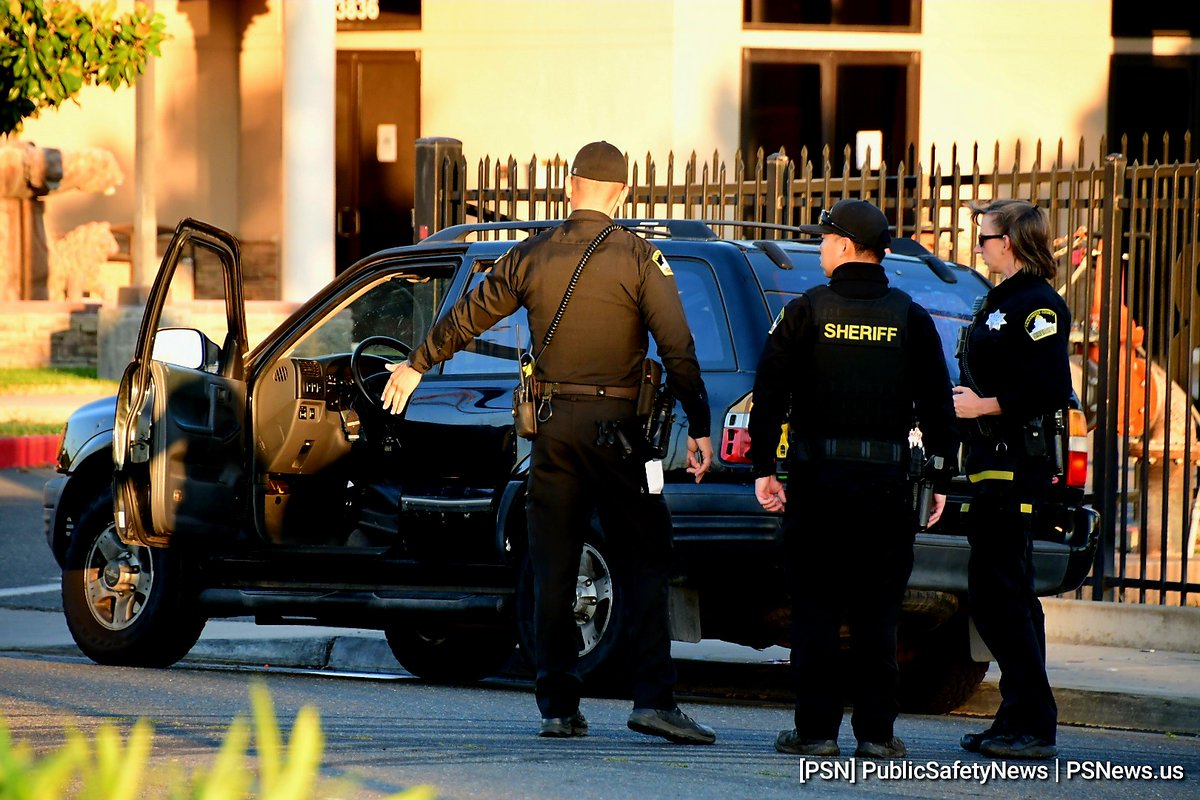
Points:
(1015, 376)
(857, 363)
(592, 366)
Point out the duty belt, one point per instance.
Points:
(548, 389)
(867, 450)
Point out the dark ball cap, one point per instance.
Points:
(857, 220)
(599, 161)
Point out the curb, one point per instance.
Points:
(1114, 710)
(699, 680)
(1099, 709)
(28, 451)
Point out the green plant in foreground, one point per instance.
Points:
(110, 770)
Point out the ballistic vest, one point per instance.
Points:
(858, 386)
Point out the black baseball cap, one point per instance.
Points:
(599, 161)
(855, 219)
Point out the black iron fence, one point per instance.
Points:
(1126, 233)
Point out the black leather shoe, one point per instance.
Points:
(1018, 746)
(892, 748)
(672, 725)
(971, 741)
(791, 742)
(564, 727)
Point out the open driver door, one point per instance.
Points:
(179, 438)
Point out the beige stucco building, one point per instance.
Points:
(544, 76)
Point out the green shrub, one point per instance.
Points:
(108, 769)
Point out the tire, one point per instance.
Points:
(601, 640)
(941, 675)
(450, 653)
(125, 605)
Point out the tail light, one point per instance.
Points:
(1077, 449)
(735, 434)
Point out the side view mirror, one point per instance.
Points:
(185, 347)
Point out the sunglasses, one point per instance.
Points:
(983, 237)
(826, 219)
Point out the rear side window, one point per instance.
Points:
(705, 312)
(948, 303)
(495, 351)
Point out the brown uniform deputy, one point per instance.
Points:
(593, 366)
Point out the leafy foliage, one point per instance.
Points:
(50, 49)
(110, 770)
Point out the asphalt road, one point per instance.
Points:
(30, 576)
(391, 732)
(478, 742)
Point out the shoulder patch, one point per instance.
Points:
(661, 261)
(1041, 323)
(778, 319)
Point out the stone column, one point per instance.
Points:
(309, 93)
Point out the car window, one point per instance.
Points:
(496, 350)
(705, 312)
(402, 305)
(209, 318)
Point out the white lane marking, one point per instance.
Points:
(39, 589)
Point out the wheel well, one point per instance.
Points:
(82, 487)
(512, 529)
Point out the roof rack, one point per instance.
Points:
(696, 229)
(650, 228)
(911, 247)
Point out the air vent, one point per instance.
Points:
(282, 375)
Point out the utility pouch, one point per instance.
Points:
(1034, 433)
(1058, 442)
(525, 399)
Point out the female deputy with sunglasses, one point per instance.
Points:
(1015, 375)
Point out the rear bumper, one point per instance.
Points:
(940, 561)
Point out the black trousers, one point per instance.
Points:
(1006, 611)
(570, 477)
(849, 536)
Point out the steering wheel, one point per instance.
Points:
(359, 356)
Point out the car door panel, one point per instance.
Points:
(196, 446)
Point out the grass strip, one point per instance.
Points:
(53, 380)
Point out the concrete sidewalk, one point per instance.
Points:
(1110, 686)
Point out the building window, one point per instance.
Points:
(798, 98)
(1142, 18)
(1153, 95)
(892, 15)
(377, 15)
